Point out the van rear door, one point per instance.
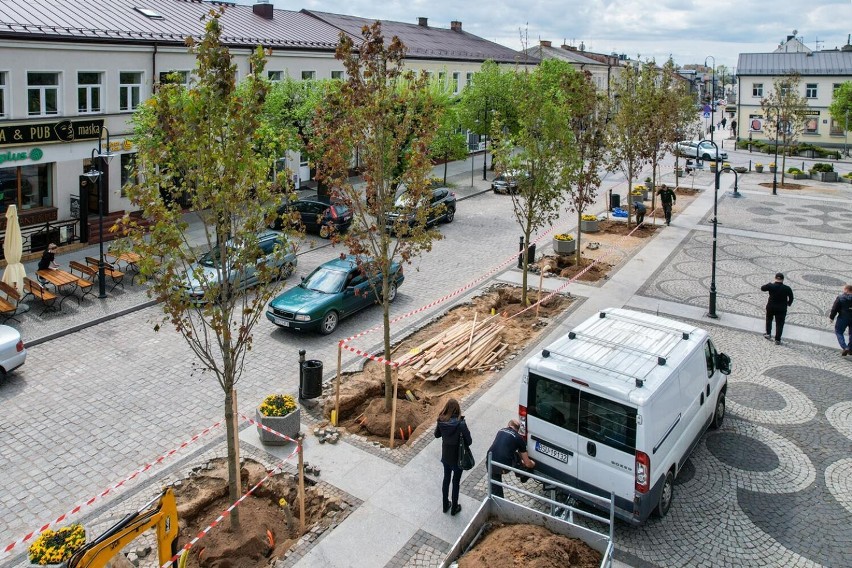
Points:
(552, 427)
(606, 458)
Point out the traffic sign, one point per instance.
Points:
(706, 114)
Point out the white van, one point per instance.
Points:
(619, 403)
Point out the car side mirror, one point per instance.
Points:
(723, 363)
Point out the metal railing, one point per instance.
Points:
(35, 238)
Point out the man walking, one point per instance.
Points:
(667, 198)
(842, 309)
(507, 442)
(780, 298)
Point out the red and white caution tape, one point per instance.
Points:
(109, 490)
(268, 429)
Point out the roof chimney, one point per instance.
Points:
(423, 22)
(455, 25)
(544, 43)
(263, 9)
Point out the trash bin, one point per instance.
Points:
(530, 255)
(614, 201)
(310, 385)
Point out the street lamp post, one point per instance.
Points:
(846, 136)
(485, 126)
(95, 174)
(711, 310)
(775, 173)
(712, 97)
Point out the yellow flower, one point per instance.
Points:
(589, 217)
(639, 187)
(564, 237)
(53, 547)
(278, 405)
(758, 165)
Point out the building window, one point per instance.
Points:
(785, 89)
(28, 187)
(275, 76)
(757, 90)
(175, 78)
(3, 91)
(442, 79)
(309, 75)
(88, 92)
(456, 81)
(42, 94)
(129, 90)
(834, 88)
(811, 90)
(337, 75)
(468, 79)
(128, 172)
(812, 125)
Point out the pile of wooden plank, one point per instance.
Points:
(465, 346)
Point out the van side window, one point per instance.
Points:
(608, 422)
(553, 402)
(710, 355)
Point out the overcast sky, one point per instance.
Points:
(688, 30)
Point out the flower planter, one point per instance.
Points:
(806, 153)
(801, 176)
(758, 169)
(634, 198)
(288, 425)
(590, 226)
(824, 176)
(772, 170)
(740, 169)
(564, 247)
(713, 166)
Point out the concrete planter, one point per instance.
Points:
(590, 226)
(824, 176)
(773, 170)
(288, 425)
(564, 247)
(758, 169)
(801, 176)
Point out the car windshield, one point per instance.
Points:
(325, 281)
(210, 259)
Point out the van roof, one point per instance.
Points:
(617, 350)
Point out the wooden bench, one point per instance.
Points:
(86, 277)
(109, 270)
(36, 290)
(9, 304)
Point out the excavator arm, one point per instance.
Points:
(160, 512)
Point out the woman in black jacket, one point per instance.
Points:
(450, 425)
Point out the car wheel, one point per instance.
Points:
(719, 412)
(451, 214)
(666, 496)
(706, 157)
(329, 323)
(325, 232)
(286, 271)
(391, 291)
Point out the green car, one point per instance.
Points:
(335, 290)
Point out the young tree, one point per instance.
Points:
(449, 143)
(626, 144)
(542, 147)
(841, 105)
(203, 145)
(486, 97)
(785, 111)
(392, 115)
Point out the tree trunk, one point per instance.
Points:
(234, 489)
(387, 341)
(525, 257)
(445, 170)
(577, 254)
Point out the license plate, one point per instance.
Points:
(282, 322)
(548, 451)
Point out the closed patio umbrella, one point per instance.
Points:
(12, 249)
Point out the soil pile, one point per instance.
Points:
(529, 546)
(565, 267)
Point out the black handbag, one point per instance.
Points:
(466, 461)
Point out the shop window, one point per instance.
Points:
(128, 172)
(129, 90)
(42, 94)
(88, 92)
(836, 128)
(3, 91)
(28, 187)
(812, 125)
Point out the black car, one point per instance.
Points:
(442, 207)
(315, 216)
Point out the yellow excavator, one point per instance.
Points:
(160, 512)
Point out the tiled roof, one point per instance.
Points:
(119, 20)
(426, 42)
(814, 63)
(550, 52)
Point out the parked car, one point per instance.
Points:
(207, 270)
(507, 182)
(315, 216)
(13, 353)
(441, 207)
(335, 290)
(699, 150)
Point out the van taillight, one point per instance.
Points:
(20, 346)
(522, 419)
(643, 472)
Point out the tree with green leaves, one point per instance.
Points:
(841, 104)
(785, 111)
(449, 142)
(628, 128)
(541, 151)
(204, 145)
(486, 97)
(392, 115)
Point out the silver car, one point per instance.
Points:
(199, 275)
(13, 353)
(699, 150)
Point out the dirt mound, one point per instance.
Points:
(409, 415)
(269, 518)
(565, 267)
(620, 228)
(530, 546)
(784, 185)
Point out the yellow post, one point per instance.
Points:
(336, 414)
(393, 406)
(301, 487)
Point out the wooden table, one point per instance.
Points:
(63, 282)
(130, 260)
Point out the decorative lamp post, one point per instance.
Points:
(485, 126)
(96, 174)
(712, 97)
(711, 311)
(775, 173)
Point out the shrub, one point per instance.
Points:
(794, 171)
(822, 167)
(278, 405)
